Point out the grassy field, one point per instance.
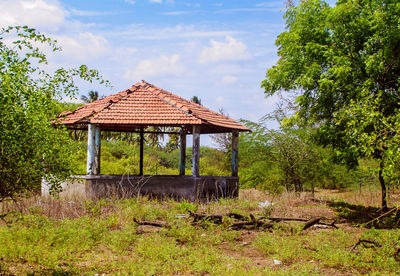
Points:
(67, 237)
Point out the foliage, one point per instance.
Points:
(91, 97)
(122, 157)
(287, 159)
(30, 147)
(342, 61)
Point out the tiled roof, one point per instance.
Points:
(147, 105)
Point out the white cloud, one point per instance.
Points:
(89, 12)
(229, 79)
(47, 15)
(220, 50)
(83, 47)
(163, 65)
(180, 31)
(174, 13)
(155, 1)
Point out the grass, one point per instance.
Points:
(67, 237)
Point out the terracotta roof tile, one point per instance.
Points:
(146, 104)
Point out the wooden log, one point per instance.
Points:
(152, 223)
(182, 153)
(196, 151)
(235, 152)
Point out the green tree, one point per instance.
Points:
(91, 97)
(342, 61)
(196, 99)
(31, 149)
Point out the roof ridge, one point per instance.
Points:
(188, 101)
(185, 110)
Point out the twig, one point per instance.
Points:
(364, 242)
(383, 215)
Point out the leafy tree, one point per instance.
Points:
(91, 97)
(196, 99)
(30, 147)
(343, 62)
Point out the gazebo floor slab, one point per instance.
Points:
(180, 187)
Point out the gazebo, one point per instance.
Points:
(135, 110)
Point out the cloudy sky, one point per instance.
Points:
(216, 50)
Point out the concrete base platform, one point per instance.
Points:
(180, 187)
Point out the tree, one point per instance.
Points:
(91, 97)
(343, 61)
(196, 99)
(31, 148)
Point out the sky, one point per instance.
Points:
(216, 50)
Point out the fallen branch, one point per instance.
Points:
(217, 219)
(366, 244)
(237, 216)
(381, 216)
(332, 224)
(152, 223)
(311, 222)
(253, 224)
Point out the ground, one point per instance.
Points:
(78, 236)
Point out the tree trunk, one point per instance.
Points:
(383, 188)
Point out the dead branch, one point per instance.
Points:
(366, 244)
(217, 219)
(383, 215)
(152, 223)
(311, 222)
(332, 224)
(250, 224)
(287, 219)
(237, 216)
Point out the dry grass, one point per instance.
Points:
(116, 245)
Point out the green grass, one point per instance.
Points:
(105, 239)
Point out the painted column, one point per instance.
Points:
(182, 151)
(97, 150)
(235, 152)
(141, 151)
(196, 151)
(91, 149)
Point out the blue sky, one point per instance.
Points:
(216, 50)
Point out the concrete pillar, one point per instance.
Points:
(182, 151)
(91, 149)
(196, 151)
(141, 151)
(97, 150)
(235, 152)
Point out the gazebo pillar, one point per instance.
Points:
(235, 152)
(196, 151)
(141, 151)
(93, 150)
(182, 152)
